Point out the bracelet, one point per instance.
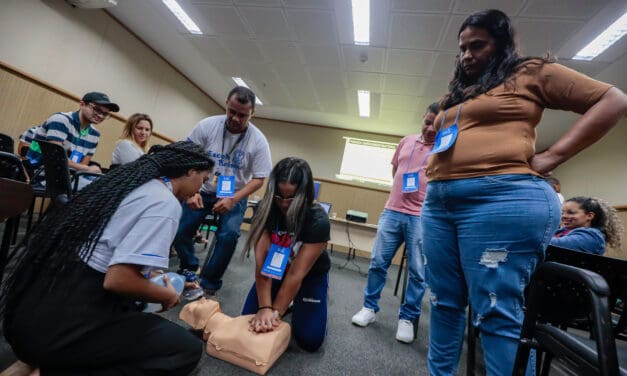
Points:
(264, 307)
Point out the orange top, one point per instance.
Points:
(497, 129)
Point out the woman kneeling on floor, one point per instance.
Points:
(69, 305)
(289, 233)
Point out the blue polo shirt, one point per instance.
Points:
(64, 127)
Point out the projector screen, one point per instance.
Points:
(367, 161)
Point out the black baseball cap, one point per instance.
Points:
(101, 99)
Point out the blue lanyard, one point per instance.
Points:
(167, 183)
(459, 110)
(411, 155)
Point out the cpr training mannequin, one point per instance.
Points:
(229, 338)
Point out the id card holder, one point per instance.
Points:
(410, 182)
(76, 156)
(276, 261)
(226, 186)
(445, 139)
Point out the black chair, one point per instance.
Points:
(6, 143)
(557, 296)
(15, 198)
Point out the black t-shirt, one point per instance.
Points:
(316, 229)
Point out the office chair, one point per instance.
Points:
(558, 295)
(15, 198)
(6, 143)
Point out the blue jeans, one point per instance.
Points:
(483, 238)
(226, 240)
(394, 228)
(309, 317)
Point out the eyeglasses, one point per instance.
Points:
(286, 200)
(99, 112)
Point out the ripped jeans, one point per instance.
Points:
(482, 238)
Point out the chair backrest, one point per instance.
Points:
(57, 171)
(6, 143)
(11, 167)
(613, 270)
(16, 197)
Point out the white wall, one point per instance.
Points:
(87, 50)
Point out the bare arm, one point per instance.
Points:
(126, 279)
(263, 321)
(590, 128)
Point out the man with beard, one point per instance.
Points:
(243, 161)
(400, 222)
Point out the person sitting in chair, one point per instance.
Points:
(588, 225)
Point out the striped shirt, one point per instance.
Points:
(29, 135)
(64, 127)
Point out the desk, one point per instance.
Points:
(354, 236)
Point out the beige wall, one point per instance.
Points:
(87, 50)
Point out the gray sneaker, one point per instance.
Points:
(364, 317)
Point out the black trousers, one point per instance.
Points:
(78, 328)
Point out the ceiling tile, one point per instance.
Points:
(365, 81)
(582, 9)
(450, 41)
(266, 23)
(321, 55)
(417, 31)
(313, 25)
(225, 2)
(399, 102)
(210, 47)
(269, 3)
(333, 101)
(409, 62)
(293, 75)
(398, 117)
(318, 4)
(333, 79)
(274, 95)
(435, 89)
(363, 59)
(511, 8)
(393, 84)
(422, 5)
(280, 52)
(259, 74)
(537, 37)
(303, 99)
(244, 51)
(444, 66)
(223, 21)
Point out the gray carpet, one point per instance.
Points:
(347, 350)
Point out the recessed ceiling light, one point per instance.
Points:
(241, 82)
(602, 42)
(363, 98)
(176, 9)
(361, 22)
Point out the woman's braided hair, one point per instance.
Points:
(69, 233)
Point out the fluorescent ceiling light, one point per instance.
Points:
(601, 43)
(241, 82)
(176, 9)
(361, 22)
(363, 98)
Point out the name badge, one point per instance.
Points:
(226, 186)
(410, 182)
(445, 139)
(76, 156)
(276, 261)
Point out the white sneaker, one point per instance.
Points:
(364, 317)
(405, 331)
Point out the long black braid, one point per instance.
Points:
(69, 234)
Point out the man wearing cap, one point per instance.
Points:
(75, 132)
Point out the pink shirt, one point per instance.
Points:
(409, 203)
